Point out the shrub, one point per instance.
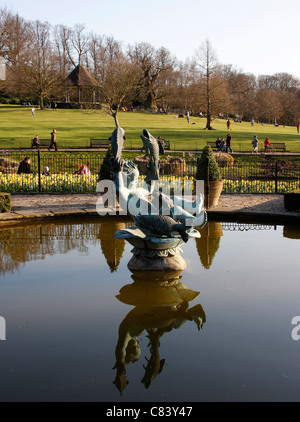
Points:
(292, 200)
(4, 100)
(5, 202)
(224, 159)
(214, 171)
(105, 172)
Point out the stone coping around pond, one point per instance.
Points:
(264, 208)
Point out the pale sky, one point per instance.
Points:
(259, 37)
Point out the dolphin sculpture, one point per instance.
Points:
(154, 363)
(152, 151)
(117, 141)
(161, 225)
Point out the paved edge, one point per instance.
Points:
(228, 214)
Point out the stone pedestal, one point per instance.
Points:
(169, 263)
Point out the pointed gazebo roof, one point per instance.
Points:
(80, 77)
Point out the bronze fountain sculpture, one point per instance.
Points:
(162, 222)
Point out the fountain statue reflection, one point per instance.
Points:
(162, 224)
(161, 304)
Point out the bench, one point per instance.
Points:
(99, 142)
(167, 145)
(212, 144)
(277, 146)
(43, 143)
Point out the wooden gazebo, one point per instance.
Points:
(81, 86)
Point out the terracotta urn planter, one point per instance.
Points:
(215, 190)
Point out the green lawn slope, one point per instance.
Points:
(75, 128)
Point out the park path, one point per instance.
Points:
(258, 207)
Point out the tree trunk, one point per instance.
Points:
(208, 122)
(115, 116)
(150, 102)
(42, 102)
(208, 109)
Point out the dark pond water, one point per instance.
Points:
(219, 331)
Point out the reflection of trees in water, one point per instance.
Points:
(291, 232)
(209, 242)
(111, 247)
(34, 242)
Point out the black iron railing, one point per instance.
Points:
(258, 177)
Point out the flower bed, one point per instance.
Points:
(70, 183)
(64, 183)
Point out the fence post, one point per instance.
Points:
(207, 183)
(276, 176)
(39, 169)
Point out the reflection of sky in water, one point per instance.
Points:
(63, 318)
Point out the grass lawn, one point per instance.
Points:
(75, 127)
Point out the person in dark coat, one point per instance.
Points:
(24, 166)
(53, 140)
(36, 142)
(228, 143)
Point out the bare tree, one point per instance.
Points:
(104, 54)
(62, 35)
(40, 68)
(213, 89)
(242, 89)
(3, 31)
(96, 53)
(79, 42)
(182, 91)
(269, 106)
(290, 103)
(152, 64)
(278, 82)
(120, 78)
(279, 97)
(15, 44)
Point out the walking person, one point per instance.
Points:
(33, 111)
(36, 142)
(255, 144)
(228, 143)
(53, 140)
(298, 127)
(188, 116)
(228, 124)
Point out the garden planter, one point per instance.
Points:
(172, 166)
(215, 190)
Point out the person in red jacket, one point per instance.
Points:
(267, 144)
(83, 169)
